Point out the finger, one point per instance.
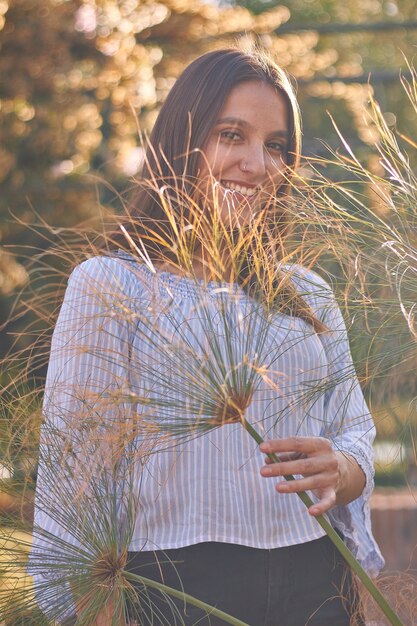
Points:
(305, 467)
(323, 505)
(284, 456)
(321, 483)
(301, 445)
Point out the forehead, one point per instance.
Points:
(258, 104)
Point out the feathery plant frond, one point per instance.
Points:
(216, 367)
(96, 512)
(377, 202)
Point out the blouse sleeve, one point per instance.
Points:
(347, 421)
(81, 494)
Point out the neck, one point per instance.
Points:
(204, 267)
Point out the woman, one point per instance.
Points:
(222, 152)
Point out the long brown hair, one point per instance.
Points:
(177, 141)
(193, 105)
(182, 128)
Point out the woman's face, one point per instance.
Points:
(246, 151)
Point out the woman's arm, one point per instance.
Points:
(352, 479)
(338, 466)
(81, 484)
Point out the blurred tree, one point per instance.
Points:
(340, 58)
(334, 68)
(78, 79)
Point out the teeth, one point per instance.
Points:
(245, 191)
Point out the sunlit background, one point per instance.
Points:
(82, 80)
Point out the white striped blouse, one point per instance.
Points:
(142, 348)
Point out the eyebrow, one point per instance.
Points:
(240, 122)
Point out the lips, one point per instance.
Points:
(241, 190)
(245, 191)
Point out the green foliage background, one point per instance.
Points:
(80, 80)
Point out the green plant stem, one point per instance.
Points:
(338, 542)
(187, 598)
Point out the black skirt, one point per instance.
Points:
(301, 585)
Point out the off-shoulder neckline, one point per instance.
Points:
(176, 284)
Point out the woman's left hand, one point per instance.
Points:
(335, 478)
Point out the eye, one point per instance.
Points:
(276, 146)
(229, 135)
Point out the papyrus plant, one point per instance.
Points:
(375, 203)
(89, 456)
(220, 382)
(87, 487)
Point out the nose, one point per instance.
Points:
(254, 160)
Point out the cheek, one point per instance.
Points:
(277, 169)
(216, 159)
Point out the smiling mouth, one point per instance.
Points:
(246, 192)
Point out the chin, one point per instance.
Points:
(236, 216)
(237, 211)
